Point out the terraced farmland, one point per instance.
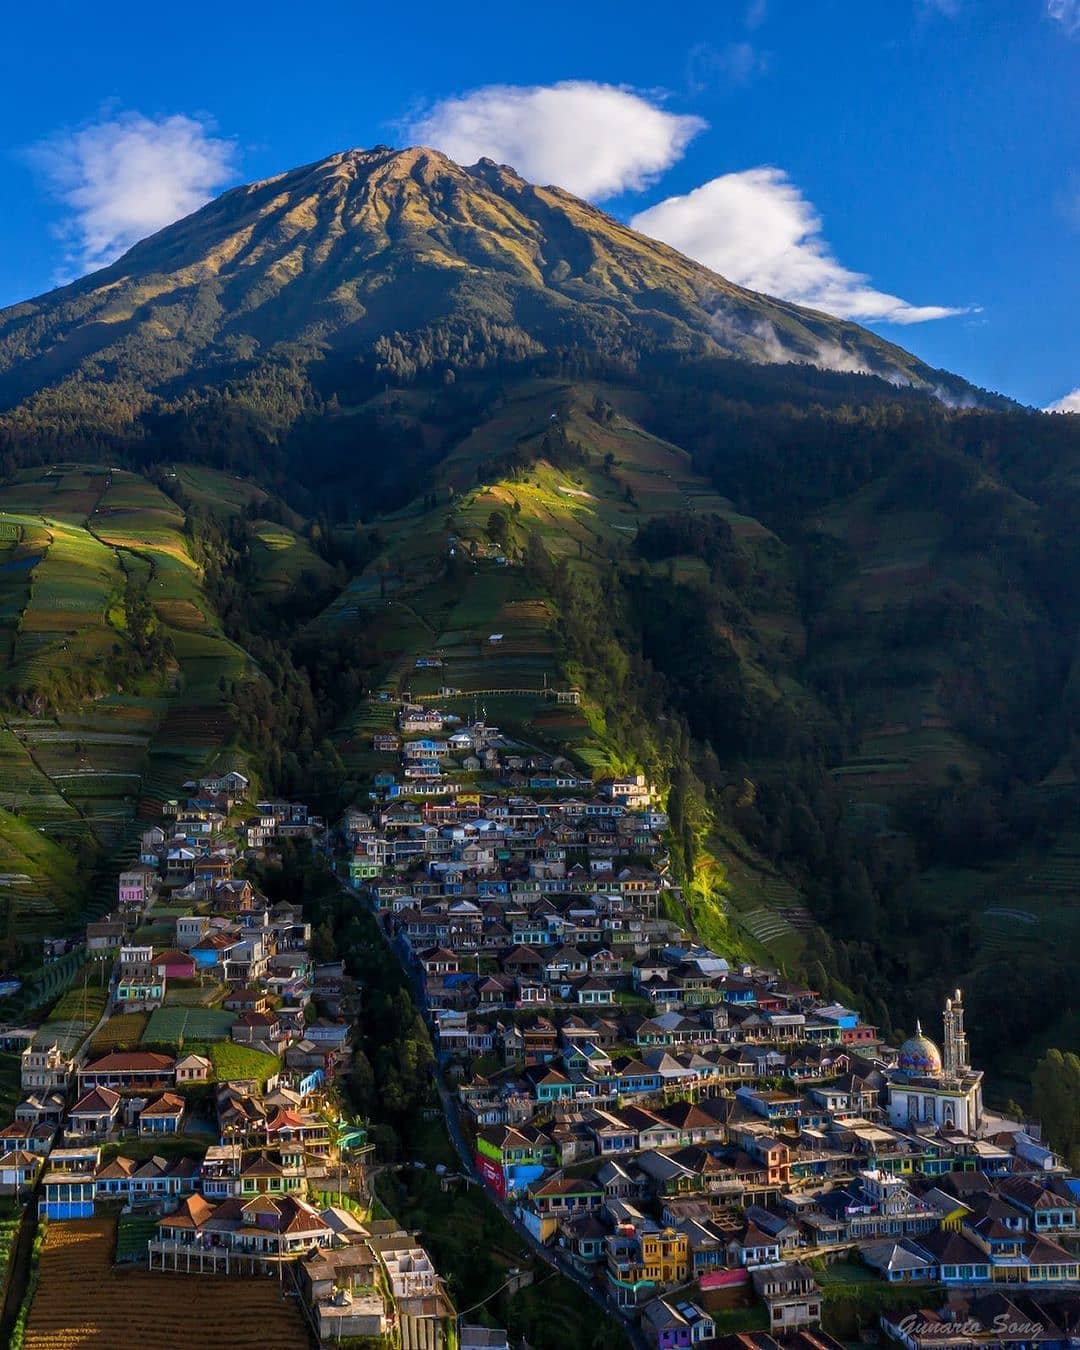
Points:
(178, 1026)
(73, 540)
(123, 1031)
(1034, 904)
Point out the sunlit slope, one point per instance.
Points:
(402, 258)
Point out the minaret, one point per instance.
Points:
(955, 1057)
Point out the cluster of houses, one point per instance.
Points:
(690, 1135)
(433, 749)
(685, 1132)
(234, 1173)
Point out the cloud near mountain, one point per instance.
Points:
(123, 178)
(595, 140)
(757, 229)
(119, 179)
(1069, 404)
(598, 140)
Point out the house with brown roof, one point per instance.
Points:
(18, 1170)
(267, 1173)
(113, 1178)
(94, 1115)
(127, 1070)
(246, 1000)
(272, 1227)
(285, 1128)
(22, 1137)
(694, 1125)
(791, 1295)
(260, 1029)
(163, 1115)
(752, 1247)
(105, 936)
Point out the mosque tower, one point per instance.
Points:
(954, 1045)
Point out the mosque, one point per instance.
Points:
(931, 1088)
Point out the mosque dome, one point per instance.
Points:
(919, 1055)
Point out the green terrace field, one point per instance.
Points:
(220, 494)
(240, 1061)
(122, 1031)
(181, 1026)
(897, 662)
(38, 881)
(87, 754)
(11, 1216)
(1021, 912)
(75, 1014)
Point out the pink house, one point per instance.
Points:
(175, 965)
(134, 886)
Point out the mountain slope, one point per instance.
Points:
(407, 260)
(837, 618)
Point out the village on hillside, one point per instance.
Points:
(218, 1031)
(692, 1136)
(718, 1155)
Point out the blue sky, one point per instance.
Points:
(895, 161)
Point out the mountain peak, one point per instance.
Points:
(381, 244)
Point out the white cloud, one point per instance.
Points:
(596, 140)
(1066, 13)
(124, 177)
(758, 230)
(1069, 404)
(747, 332)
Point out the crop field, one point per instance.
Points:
(174, 1025)
(187, 994)
(123, 1031)
(38, 877)
(133, 1232)
(25, 788)
(1035, 904)
(83, 1302)
(42, 985)
(10, 1223)
(222, 493)
(84, 1003)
